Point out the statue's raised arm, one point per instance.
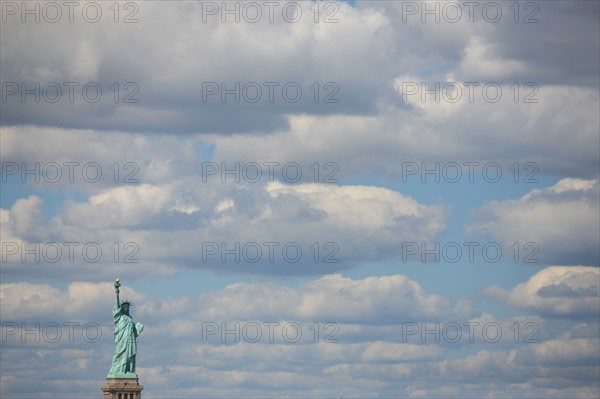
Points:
(126, 333)
(117, 285)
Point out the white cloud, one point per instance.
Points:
(482, 62)
(24, 219)
(572, 352)
(336, 298)
(330, 298)
(81, 300)
(505, 131)
(369, 365)
(168, 224)
(367, 208)
(171, 212)
(562, 220)
(384, 351)
(121, 158)
(556, 291)
(120, 206)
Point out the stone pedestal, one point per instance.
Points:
(122, 388)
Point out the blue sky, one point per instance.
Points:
(328, 89)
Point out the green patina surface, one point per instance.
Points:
(126, 333)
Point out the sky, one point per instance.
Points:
(372, 199)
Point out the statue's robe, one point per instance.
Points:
(126, 333)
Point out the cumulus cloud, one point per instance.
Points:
(330, 298)
(563, 352)
(504, 131)
(170, 95)
(42, 302)
(562, 220)
(556, 291)
(191, 223)
(339, 298)
(24, 219)
(381, 365)
(512, 368)
(369, 209)
(88, 161)
(481, 61)
(121, 206)
(169, 211)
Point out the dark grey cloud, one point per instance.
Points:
(561, 290)
(165, 79)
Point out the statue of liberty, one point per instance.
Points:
(126, 333)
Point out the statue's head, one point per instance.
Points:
(125, 307)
